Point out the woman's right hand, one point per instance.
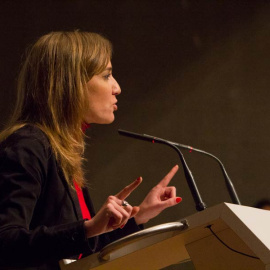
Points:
(112, 214)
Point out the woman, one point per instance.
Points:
(46, 213)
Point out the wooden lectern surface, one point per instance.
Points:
(243, 228)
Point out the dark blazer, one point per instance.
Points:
(40, 217)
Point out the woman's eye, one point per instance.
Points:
(106, 77)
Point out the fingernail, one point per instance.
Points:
(178, 199)
(121, 227)
(139, 178)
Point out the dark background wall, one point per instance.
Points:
(195, 72)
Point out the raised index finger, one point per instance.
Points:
(166, 180)
(124, 193)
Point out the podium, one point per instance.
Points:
(244, 231)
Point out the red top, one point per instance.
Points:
(84, 209)
(85, 126)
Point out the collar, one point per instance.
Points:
(85, 126)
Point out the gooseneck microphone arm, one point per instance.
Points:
(229, 184)
(200, 205)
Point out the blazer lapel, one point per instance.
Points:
(74, 199)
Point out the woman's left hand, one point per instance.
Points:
(159, 198)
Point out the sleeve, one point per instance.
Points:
(107, 238)
(130, 227)
(23, 168)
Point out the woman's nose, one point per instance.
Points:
(116, 88)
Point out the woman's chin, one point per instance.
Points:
(101, 121)
(106, 121)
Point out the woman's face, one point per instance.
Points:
(102, 92)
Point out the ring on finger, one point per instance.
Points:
(125, 203)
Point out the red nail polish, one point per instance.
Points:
(178, 199)
(121, 227)
(139, 178)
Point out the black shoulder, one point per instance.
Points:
(26, 150)
(29, 136)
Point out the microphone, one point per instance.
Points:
(229, 184)
(199, 204)
(230, 187)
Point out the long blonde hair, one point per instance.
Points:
(52, 93)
